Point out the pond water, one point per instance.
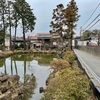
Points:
(26, 65)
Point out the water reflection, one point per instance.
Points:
(26, 66)
(29, 85)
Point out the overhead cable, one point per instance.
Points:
(92, 22)
(92, 14)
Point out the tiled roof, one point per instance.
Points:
(19, 40)
(33, 37)
(44, 35)
(40, 36)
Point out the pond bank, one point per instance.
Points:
(10, 89)
(4, 54)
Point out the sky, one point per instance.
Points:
(43, 10)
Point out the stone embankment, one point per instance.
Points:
(12, 89)
(9, 87)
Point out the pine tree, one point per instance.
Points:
(10, 19)
(26, 16)
(16, 20)
(3, 24)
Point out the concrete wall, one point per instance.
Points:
(94, 50)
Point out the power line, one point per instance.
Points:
(91, 14)
(92, 22)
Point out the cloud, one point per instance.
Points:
(43, 11)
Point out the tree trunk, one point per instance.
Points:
(4, 30)
(10, 38)
(10, 28)
(71, 42)
(71, 31)
(24, 70)
(15, 38)
(24, 38)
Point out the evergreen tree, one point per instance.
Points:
(3, 24)
(56, 24)
(64, 20)
(26, 16)
(71, 17)
(1, 36)
(16, 20)
(86, 34)
(10, 19)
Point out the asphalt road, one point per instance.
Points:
(92, 61)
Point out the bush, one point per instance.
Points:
(59, 64)
(69, 85)
(69, 56)
(47, 46)
(68, 49)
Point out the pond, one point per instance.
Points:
(26, 65)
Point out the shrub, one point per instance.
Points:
(69, 56)
(68, 49)
(59, 64)
(47, 46)
(69, 85)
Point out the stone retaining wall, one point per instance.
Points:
(94, 50)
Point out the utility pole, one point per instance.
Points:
(98, 37)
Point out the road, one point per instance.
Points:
(92, 61)
(91, 65)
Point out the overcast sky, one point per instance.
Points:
(43, 11)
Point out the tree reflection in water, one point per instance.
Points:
(29, 85)
(29, 80)
(24, 66)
